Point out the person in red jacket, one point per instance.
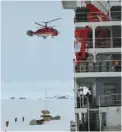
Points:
(7, 123)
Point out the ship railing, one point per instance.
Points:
(108, 42)
(112, 17)
(109, 100)
(98, 66)
(83, 103)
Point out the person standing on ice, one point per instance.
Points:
(16, 119)
(7, 123)
(23, 118)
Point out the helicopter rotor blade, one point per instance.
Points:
(52, 26)
(39, 27)
(39, 24)
(44, 22)
(54, 20)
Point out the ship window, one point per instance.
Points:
(110, 89)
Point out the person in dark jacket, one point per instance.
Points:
(23, 118)
(7, 123)
(16, 119)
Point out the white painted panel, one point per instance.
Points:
(96, 24)
(97, 74)
(81, 110)
(114, 116)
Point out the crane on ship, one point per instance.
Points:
(92, 14)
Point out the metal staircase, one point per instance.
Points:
(94, 120)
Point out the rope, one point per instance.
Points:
(46, 98)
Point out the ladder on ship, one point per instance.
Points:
(94, 120)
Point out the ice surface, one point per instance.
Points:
(31, 109)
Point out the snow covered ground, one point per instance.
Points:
(31, 109)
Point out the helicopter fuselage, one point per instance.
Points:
(44, 32)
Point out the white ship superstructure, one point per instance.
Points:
(97, 65)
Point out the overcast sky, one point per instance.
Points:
(30, 63)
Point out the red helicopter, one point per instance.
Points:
(45, 31)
